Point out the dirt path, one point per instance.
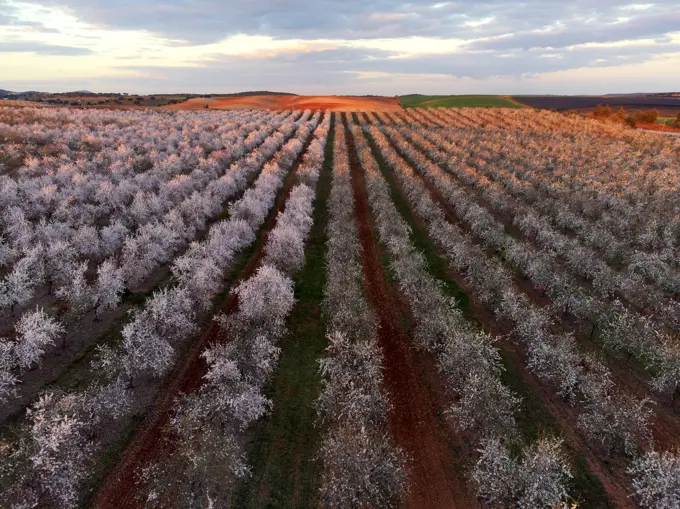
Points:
(119, 488)
(514, 101)
(667, 133)
(413, 417)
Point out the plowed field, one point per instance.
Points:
(288, 102)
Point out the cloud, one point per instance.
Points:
(339, 68)
(204, 21)
(283, 44)
(595, 31)
(41, 48)
(10, 20)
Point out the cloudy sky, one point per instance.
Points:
(340, 46)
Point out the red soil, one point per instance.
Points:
(291, 102)
(413, 417)
(657, 127)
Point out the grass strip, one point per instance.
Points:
(283, 454)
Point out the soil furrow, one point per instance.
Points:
(413, 416)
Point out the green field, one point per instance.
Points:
(456, 101)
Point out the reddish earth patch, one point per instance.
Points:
(413, 417)
(291, 102)
(657, 127)
(151, 441)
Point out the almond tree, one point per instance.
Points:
(18, 228)
(56, 451)
(544, 474)
(149, 340)
(34, 332)
(54, 457)
(535, 480)
(61, 262)
(198, 273)
(112, 237)
(7, 252)
(496, 473)
(109, 287)
(656, 480)
(362, 469)
(76, 291)
(667, 361)
(28, 273)
(617, 421)
(285, 243)
(86, 241)
(264, 301)
(8, 364)
(352, 381)
(207, 460)
(6, 299)
(486, 406)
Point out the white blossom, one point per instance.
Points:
(35, 331)
(656, 480)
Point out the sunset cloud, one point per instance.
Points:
(216, 46)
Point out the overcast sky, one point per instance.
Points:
(340, 46)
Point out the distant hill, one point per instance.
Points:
(645, 94)
(258, 92)
(5, 92)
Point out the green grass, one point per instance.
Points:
(665, 120)
(283, 454)
(456, 101)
